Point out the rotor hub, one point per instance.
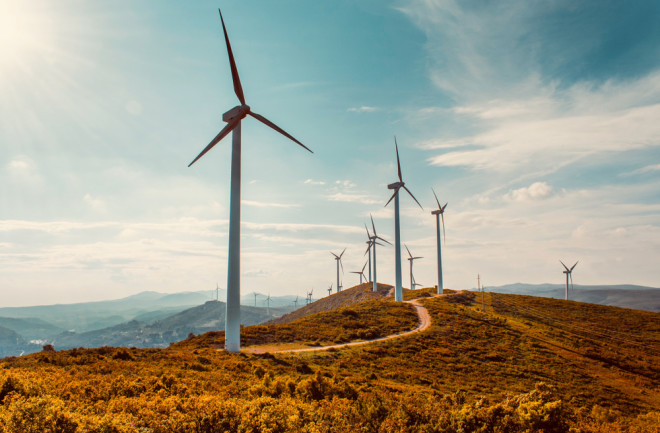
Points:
(395, 185)
(239, 111)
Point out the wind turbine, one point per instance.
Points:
(374, 241)
(295, 303)
(396, 186)
(569, 274)
(411, 259)
(267, 301)
(233, 118)
(414, 283)
(309, 296)
(255, 299)
(338, 260)
(361, 273)
(330, 290)
(217, 290)
(368, 251)
(439, 215)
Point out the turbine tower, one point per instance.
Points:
(368, 251)
(295, 303)
(398, 291)
(411, 259)
(569, 274)
(338, 260)
(415, 283)
(267, 301)
(233, 118)
(361, 273)
(374, 241)
(439, 215)
(330, 290)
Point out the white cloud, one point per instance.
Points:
(134, 107)
(554, 133)
(96, 204)
(314, 182)
(363, 109)
(536, 191)
(352, 198)
(266, 204)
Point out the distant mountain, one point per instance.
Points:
(160, 333)
(624, 295)
(87, 316)
(31, 328)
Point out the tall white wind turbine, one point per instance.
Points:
(569, 275)
(398, 291)
(439, 215)
(339, 263)
(411, 259)
(374, 241)
(233, 118)
(368, 251)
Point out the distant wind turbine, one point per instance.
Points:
(439, 215)
(330, 290)
(569, 275)
(217, 290)
(398, 291)
(411, 259)
(374, 242)
(309, 296)
(338, 260)
(233, 118)
(295, 303)
(255, 299)
(414, 283)
(361, 273)
(267, 301)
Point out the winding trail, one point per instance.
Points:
(424, 323)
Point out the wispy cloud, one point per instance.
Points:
(363, 109)
(267, 204)
(313, 182)
(536, 191)
(352, 198)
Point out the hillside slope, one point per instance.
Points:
(623, 295)
(345, 298)
(526, 364)
(204, 318)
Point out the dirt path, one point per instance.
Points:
(424, 323)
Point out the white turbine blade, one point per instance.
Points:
(267, 122)
(444, 236)
(411, 195)
(384, 240)
(409, 254)
(238, 89)
(373, 226)
(398, 163)
(573, 267)
(436, 199)
(565, 267)
(396, 191)
(342, 253)
(222, 134)
(365, 265)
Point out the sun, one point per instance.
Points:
(24, 34)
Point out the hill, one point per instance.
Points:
(161, 333)
(345, 298)
(624, 295)
(526, 364)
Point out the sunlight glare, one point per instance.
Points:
(23, 31)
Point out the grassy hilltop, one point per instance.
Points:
(524, 365)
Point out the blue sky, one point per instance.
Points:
(536, 121)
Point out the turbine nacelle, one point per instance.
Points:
(395, 185)
(239, 111)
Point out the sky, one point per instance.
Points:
(537, 122)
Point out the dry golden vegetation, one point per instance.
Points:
(510, 369)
